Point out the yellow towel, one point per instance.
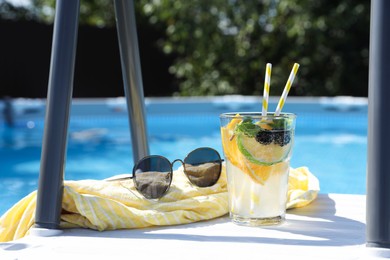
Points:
(103, 205)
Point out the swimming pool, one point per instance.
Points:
(330, 138)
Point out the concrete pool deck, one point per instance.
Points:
(332, 227)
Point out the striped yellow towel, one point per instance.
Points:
(303, 187)
(103, 205)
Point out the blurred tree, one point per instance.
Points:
(221, 47)
(8, 11)
(96, 12)
(330, 40)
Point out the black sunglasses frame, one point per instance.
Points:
(170, 173)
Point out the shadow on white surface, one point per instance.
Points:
(314, 225)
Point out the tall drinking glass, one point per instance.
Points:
(257, 150)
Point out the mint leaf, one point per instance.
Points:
(281, 124)
(247, 127)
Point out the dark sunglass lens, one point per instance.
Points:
(152, 176)
(203, 167)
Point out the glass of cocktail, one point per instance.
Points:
(257, 150)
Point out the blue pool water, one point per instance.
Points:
(330, 140)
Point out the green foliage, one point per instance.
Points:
(222, 47)
(97, 12)
(216, 43)
(10, 12)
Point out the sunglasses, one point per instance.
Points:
(152, 175)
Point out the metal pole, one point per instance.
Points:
(378, 168)
(132, 77)
(50, 189)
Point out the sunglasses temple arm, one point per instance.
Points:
(119, 178)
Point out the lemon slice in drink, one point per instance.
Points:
(257, 153)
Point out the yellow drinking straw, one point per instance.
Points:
(267, 83)
(286, 89)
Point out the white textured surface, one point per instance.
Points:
(332, 227)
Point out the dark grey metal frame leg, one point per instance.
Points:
(378, 168)
(131, 73)
(50, 190)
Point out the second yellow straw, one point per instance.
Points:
(286, 89)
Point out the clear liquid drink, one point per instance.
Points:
(257, 150)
